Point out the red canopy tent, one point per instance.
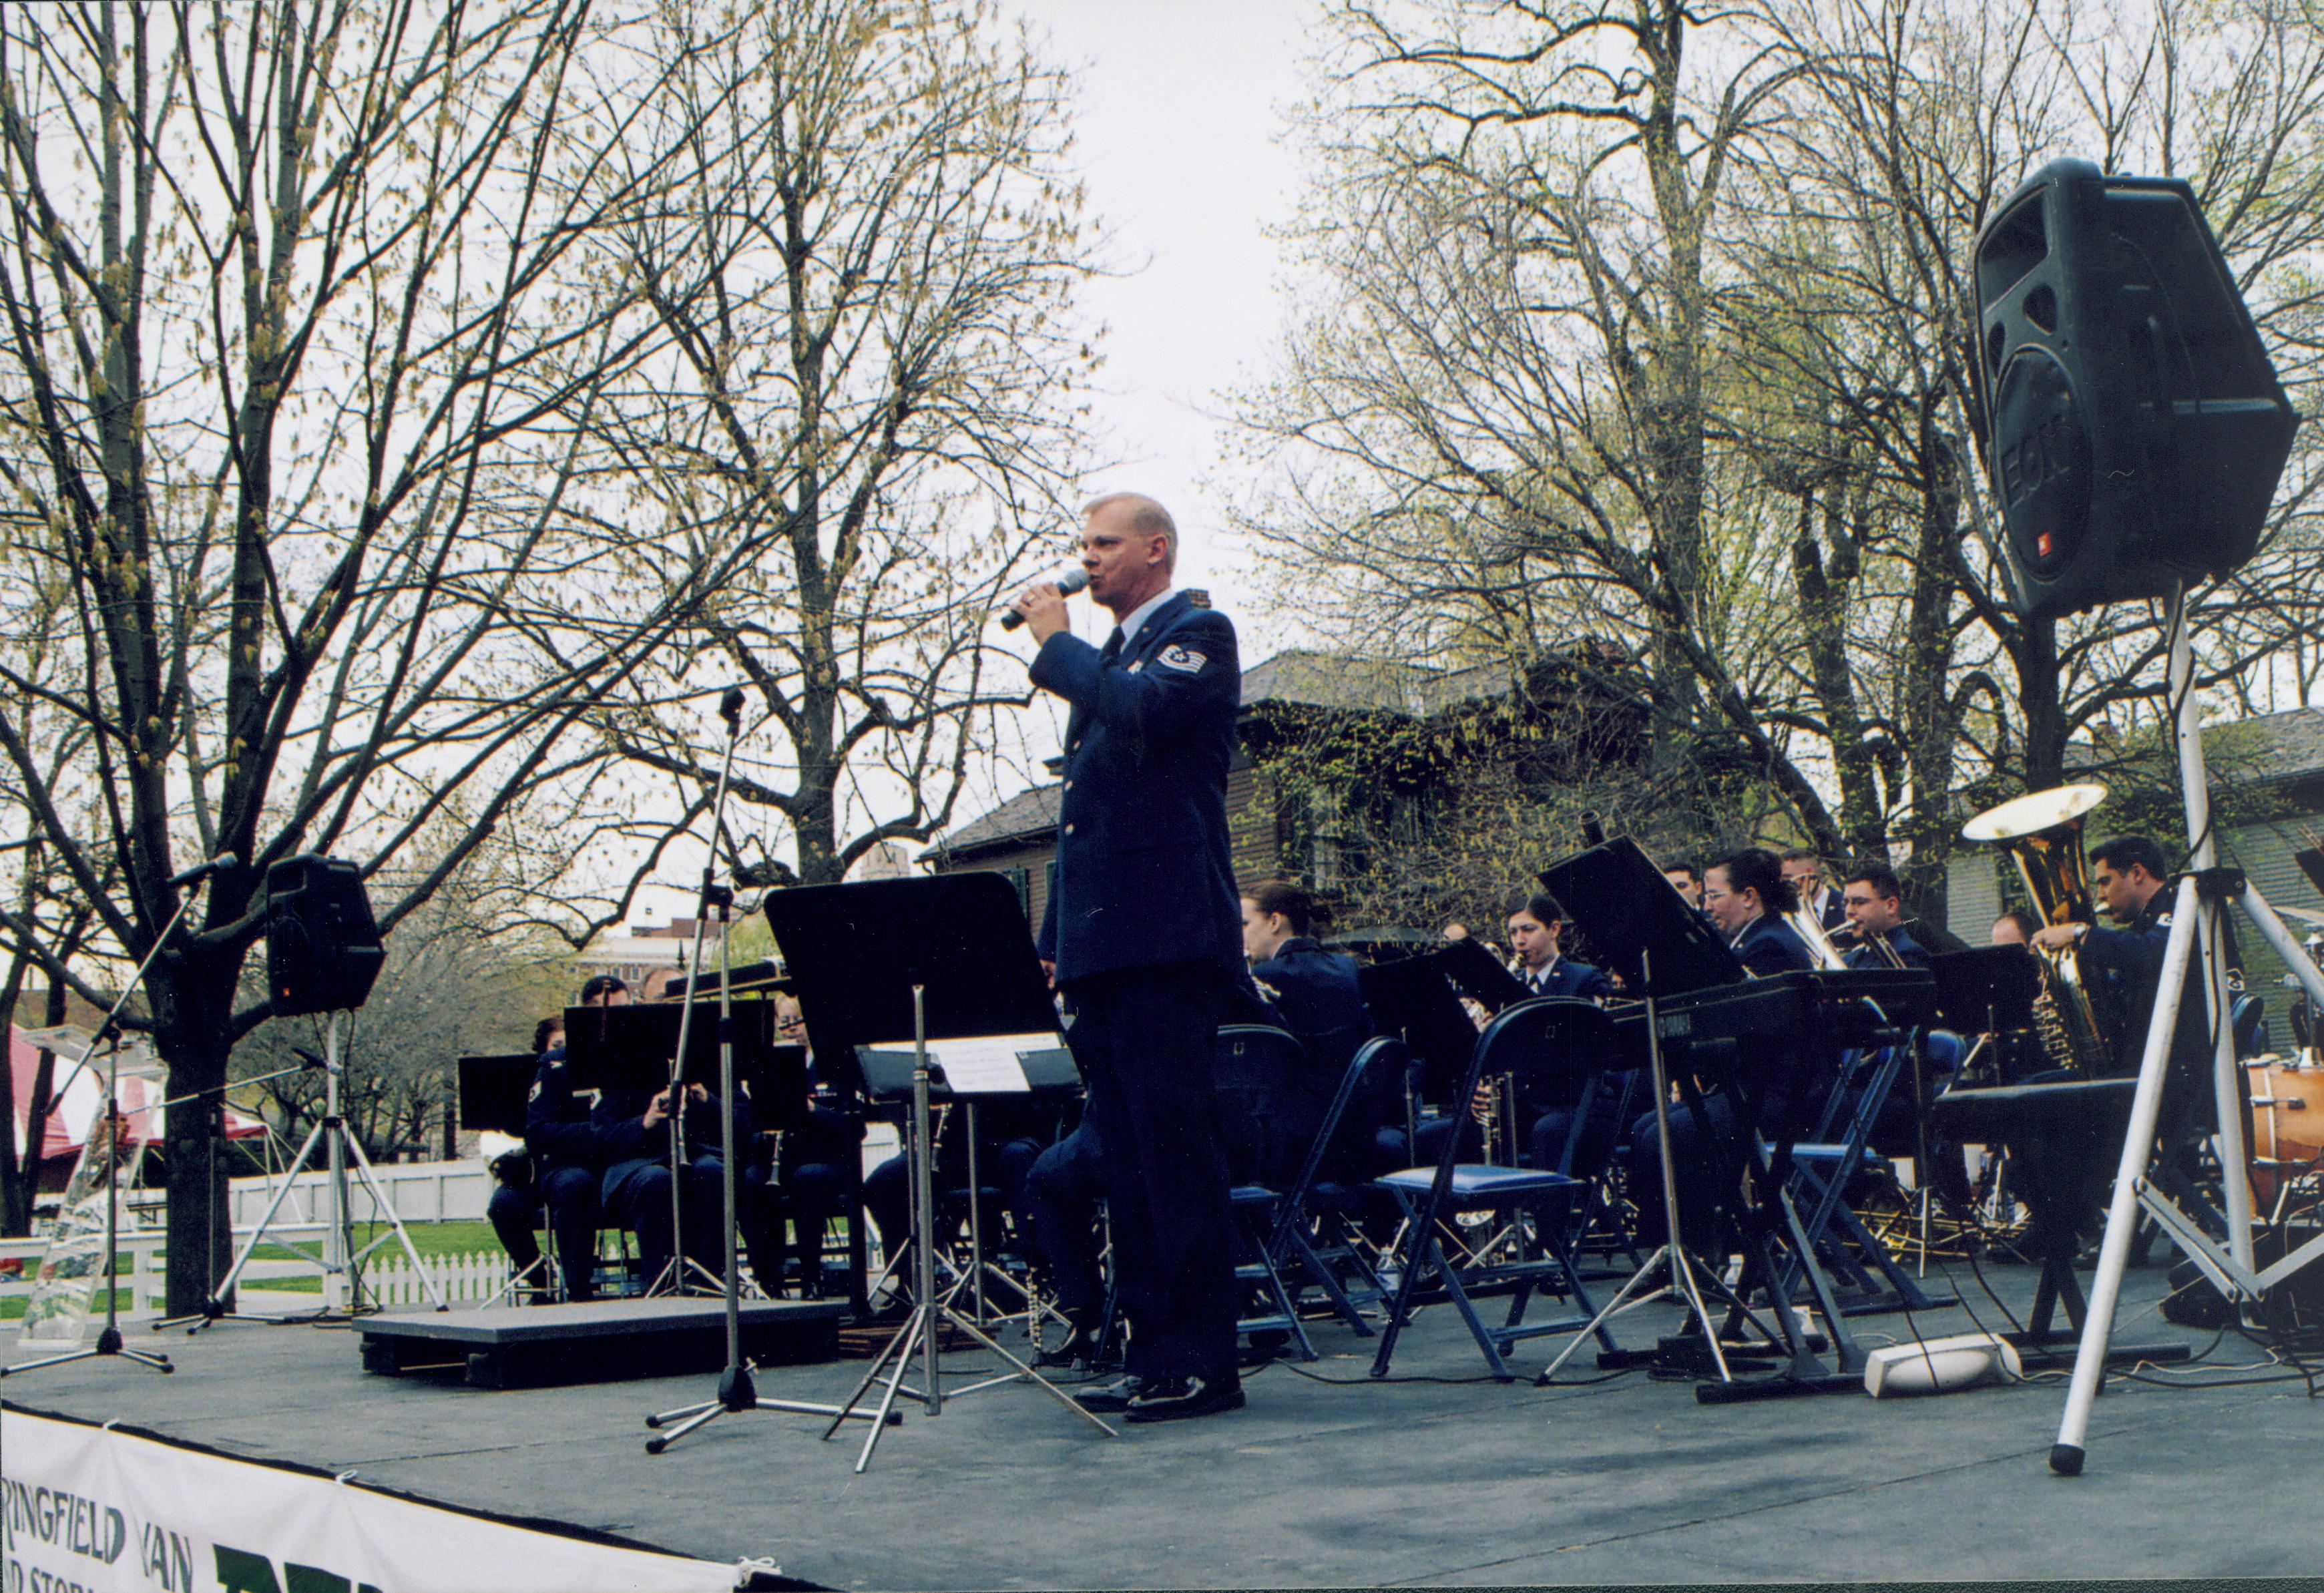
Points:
(67, 1127)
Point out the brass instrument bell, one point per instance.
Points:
(2042, 833)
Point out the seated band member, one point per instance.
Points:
(633, 1129)
(1687, 880)
(1317, 994)
(1536, 925)
(2122, 968)
(564, 1155)
(1536, 932)
(1876, 907)
(2015, 928)
(1874, 900)
(1009, 1135)
(1804, 871)
(1746, 897)
(802, 1185)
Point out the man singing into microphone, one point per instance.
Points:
(1144, 931)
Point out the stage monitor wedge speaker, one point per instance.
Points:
(2135, 427)
(323, 952)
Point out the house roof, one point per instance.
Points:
(2259, 750)
(1336, 680)
(2272, 747)
(1028, 815)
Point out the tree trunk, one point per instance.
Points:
(2045, 713)
(192, 1003)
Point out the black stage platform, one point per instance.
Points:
(1433, 1478)
(604, 1341)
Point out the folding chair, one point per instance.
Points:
(1255, 1071)
(1322, 1201)
(1821, 1170)
(1533, 1040)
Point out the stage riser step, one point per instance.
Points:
(604, 1341)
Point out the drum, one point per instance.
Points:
(2287, 1125)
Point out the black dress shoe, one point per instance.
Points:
(1174, 1399)
(1111, 1399)
(1075, 1344)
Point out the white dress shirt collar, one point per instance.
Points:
(1135, 620)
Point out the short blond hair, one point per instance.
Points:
(1148, 518)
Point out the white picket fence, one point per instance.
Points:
(421, 1191)
(389, 1278)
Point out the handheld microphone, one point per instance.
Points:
(225, 859)
(1071, 582)
(730, 709)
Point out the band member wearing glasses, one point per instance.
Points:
(1745, 897)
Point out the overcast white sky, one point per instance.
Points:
(1181, 113)
(1178, 133)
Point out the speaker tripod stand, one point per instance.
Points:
(2195, 950)
(341, 1260)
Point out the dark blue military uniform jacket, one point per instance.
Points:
(557, 1127)
(619, 1121)
(2123, 967)
(1317, 994)
(1769, 944)
(1143, 872)
(1569, 978)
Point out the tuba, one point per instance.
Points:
(2043, 834)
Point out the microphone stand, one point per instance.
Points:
(736, 1391)
(108, 1338)
(713, 895)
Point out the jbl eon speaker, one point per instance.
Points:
(2135, 429)
(322, 944)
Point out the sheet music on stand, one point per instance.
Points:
(991, 1064)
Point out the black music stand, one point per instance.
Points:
(1637, 924)
(1628, 910)
(884, 961)
(631, 1048)
(493, 1093)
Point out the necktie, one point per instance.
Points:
(1112, 647)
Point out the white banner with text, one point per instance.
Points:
(85, 1510)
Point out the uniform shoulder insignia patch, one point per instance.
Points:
(1199, 598)
(1180, 657)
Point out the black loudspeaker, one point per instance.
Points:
(2134, 426)
(323, 953)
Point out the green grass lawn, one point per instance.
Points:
(12, 1308)
(430, 1238)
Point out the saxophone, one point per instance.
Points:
(2042, 833)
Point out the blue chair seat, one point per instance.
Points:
(1818, 1152)
(1478, 1182)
